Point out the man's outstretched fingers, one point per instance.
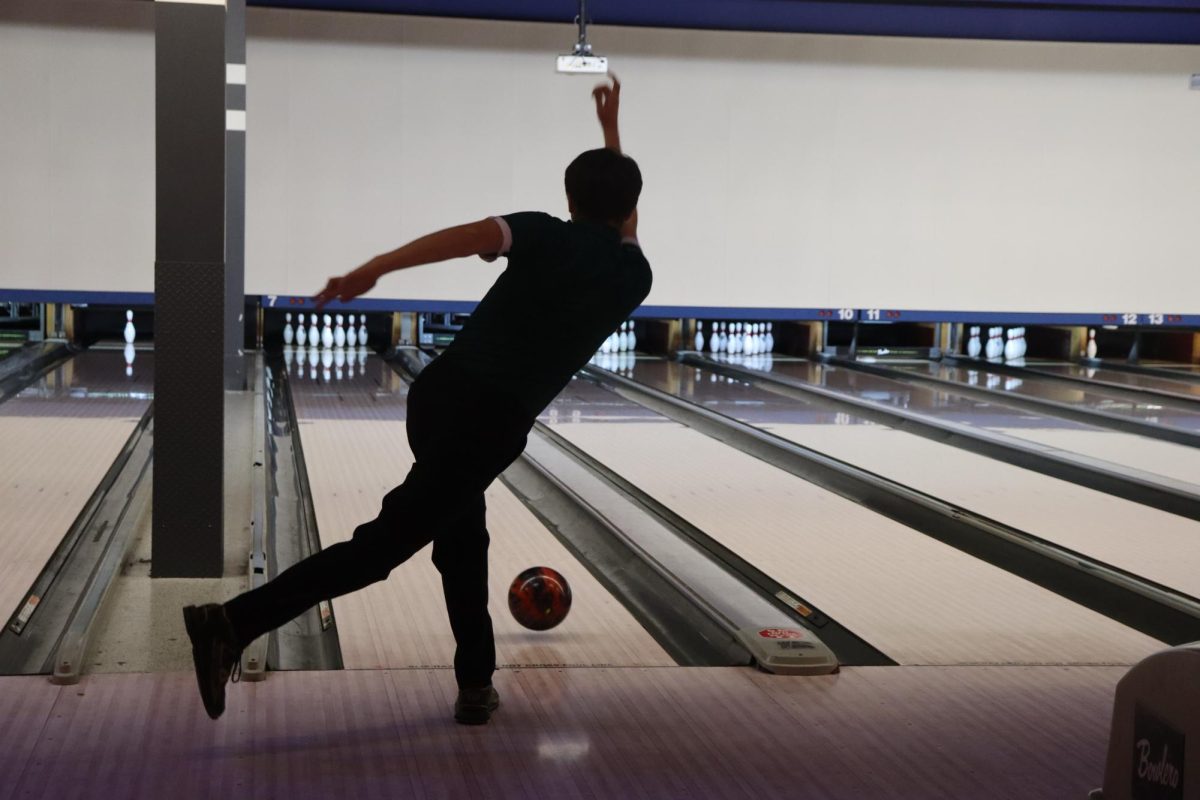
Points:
(330, 292)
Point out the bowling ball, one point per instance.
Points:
(539, 598)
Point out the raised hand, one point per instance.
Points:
(347, 287)
(608, 104)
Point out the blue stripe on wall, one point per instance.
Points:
(282, 303)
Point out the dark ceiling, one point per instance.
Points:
(1156, 21)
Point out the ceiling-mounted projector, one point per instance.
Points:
(582, 61)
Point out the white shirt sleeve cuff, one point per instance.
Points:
(507, 231)
(631, 240)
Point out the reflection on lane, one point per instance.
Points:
(1095, 398)
(1182, 388)
(1177, 462)
(1185, 371)
(945, 404)
(356, 384)
(327, 364)
(742, 400)
(584, 401)
(106, 379)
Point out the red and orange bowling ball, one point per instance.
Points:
(539, 598)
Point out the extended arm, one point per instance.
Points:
(608, 104)
(477, 238)
(608, 107)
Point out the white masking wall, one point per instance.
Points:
(781, 170)
(76, 145)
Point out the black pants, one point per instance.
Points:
(463, 437)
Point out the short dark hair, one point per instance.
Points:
(603, 185)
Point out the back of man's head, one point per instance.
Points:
(603, 186)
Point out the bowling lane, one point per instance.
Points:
(1154, 544)
(916, 599)
(1173, 461)
(1186, 372)
(1149, 409)
(1180, 388)
(60, 435)
(356, 450)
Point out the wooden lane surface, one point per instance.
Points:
(356, 451)
(1143, 540)
(1176, 461)
(56, 450)
(987, 733)
(916, 599)
(1153, 544)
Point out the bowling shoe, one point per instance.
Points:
(475, 706)
(214, 652)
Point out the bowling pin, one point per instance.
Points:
(362, 333)
(351, 334)
(698, 343)
(991, 350)
(632, 337)
(723, 340)
(769, 344)
(1010, 346)
(1021, 345)
(314, 333)
(1091, 345)
(289, 335)
(974, 346)
(301, 333)
(339, 333)
(714, 338)
(327, 332)
(130, 333)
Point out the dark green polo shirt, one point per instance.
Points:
(568, 285)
